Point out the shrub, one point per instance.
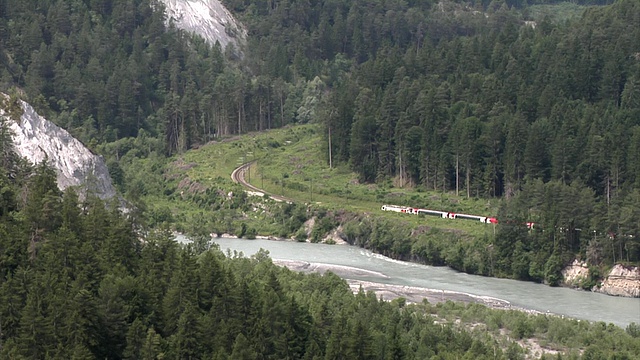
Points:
(552, 270)
(242, 230)
(322, 227)
(251, 233)
(633, 329)
(301, 235)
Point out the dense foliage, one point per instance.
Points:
(445, 96)
(478, 101)
(79, 281)
(107, 69)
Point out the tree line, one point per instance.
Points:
(105, 70)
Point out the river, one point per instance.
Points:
(350, 261)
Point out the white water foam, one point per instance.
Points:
(400, 262)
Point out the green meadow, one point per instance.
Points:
(293, 162)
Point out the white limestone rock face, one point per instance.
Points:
(38, 139)
(575, 273)
(621, 281)
(207, 18)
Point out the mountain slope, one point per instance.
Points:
(38, 139)
(207, 18)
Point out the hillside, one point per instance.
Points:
(477, 102)
(480, 103)
(208, 19)
(38, 140)
(291, 162)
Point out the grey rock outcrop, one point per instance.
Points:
(575, 273)
(207, 18)
(37, 139)
(621, 281)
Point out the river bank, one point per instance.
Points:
(355, 263)
(618, 281)
(623, 281)
(389, 292)
(380, 269)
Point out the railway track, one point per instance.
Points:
(237, 176)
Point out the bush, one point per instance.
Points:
(322, 227)
(301, 235)
(522, 328)
(592, 280)
(294, 185)
(160, 215)
(633, 329)
(552, 270)
(242, 230)
(251, 233)
(427, 250)
(356, 232)
(495, 321)
(273, 144)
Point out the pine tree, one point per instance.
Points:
(152, 348)
(242, 349)
(536, 154)
(514, 153)
(181, 293)
(363, 151)
(33, 338)
(136, 337)
(186, 341)
(43, 205)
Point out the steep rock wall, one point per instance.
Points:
(37, 139)
(621, 281)
(207, 18)
(575, 273)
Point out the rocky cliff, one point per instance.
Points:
(621, 281)
(574, 274)
(38, 139)
(207, 18)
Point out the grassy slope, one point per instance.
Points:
(292, 162)
(558, 13)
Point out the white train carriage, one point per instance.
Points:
(395, 208)
(468, 217)
(442, 214)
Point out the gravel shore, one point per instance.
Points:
(389, 291)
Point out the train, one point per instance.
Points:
(445, 214)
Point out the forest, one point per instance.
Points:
(79, 280)
(479, 99)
